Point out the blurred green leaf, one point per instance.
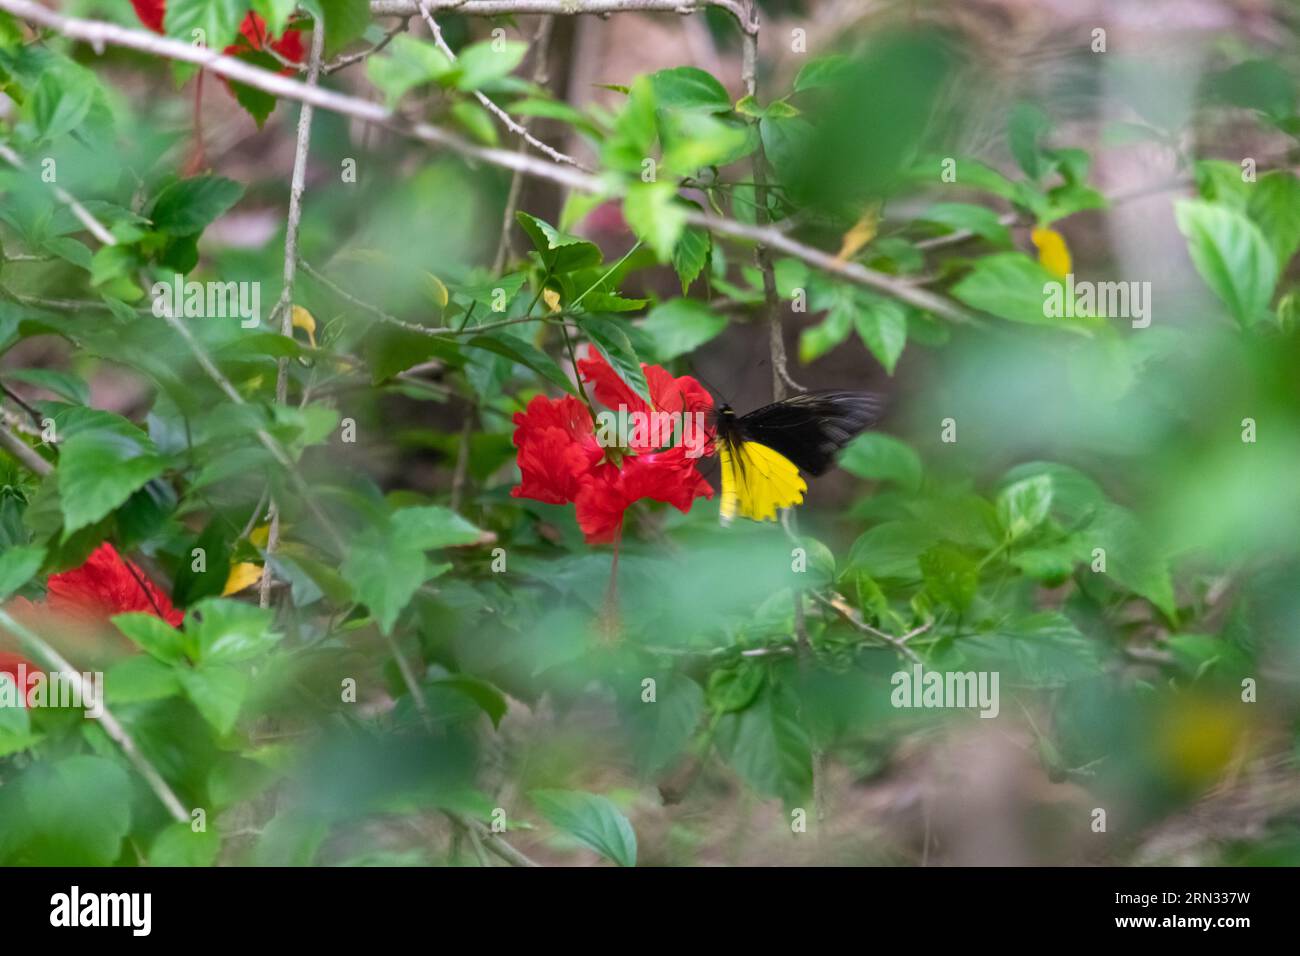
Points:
(680, 326)
(1232, 256)
(590, 819)
(880, 457)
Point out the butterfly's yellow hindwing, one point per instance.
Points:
(756, 481)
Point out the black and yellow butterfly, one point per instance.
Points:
(762, 452)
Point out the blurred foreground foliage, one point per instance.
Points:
(1105, 515)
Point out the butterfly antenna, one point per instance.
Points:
(709, 385)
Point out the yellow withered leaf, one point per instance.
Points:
(862, 232)
(437, 290)
(552, 299)
(1053, 253)
(242, 575)
(302, 319)
(260, 535)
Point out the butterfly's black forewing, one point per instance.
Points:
(810, 428)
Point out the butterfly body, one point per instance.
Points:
(762, 452)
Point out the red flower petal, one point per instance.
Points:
(608, 387)
(557, 447)
(600, 506)
(150, 13)
(104, 586)
(608, 492)
(254, 31)
(674, 395)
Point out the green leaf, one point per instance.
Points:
(1132, 559)
(384, 577)
(73, 811)
(275, 13)
(680, 326)
(526, 354)
(1024, 505)
(1075, 497)
(635, 129)
(734, 688)
(559, 251)
(980, 220)
(695, 141)
(179, 845)
(187, 207)
(1275, 207)
(609, 337)
(1223, 183)
(655, 215)
(1232, 256)
(152, 635)
(18, 565)
(882, 458)
(690, 89)
(189, 585)
(15, 734)
(822, 71)
(139, 679)
(405, 64)
(431, 526)
(227, 631)
(259, 103)
(661, 729)
(691, 255)
(1013, 286)
(890, 550)
(1038, 650)
(1027, 125)
(345, 21)
(476, 121)
(882, 326)
(217, 692)
(100, 467)
(481, 64)
(950, 575)
(60, 102)
(590, 819)
(218, 21)
(1256, 84)
(485, 695)
(564, 113)
(769, 746)
(292, 838)
(817, 340)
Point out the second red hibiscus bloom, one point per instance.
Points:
(561, 460)
(253, 30)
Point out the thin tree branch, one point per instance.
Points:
(772, 302)
(506, 119)
(498, 8)
(93, 225)
(346, 60)
(840, 607)
(98, 34)
(36, 645)
(541, 50)
(393, 320)
(24, 453)
(284, 307)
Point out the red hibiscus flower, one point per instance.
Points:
(83, 599)
(253, 29)
(106, 585)
(561, 460)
